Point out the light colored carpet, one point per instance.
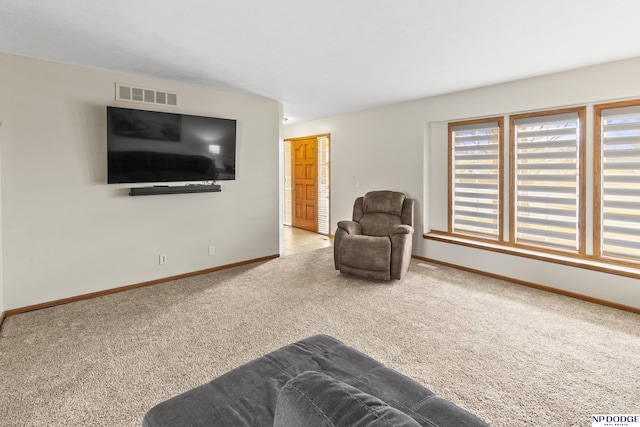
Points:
(512, 355)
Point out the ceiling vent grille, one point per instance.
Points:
(145, 95)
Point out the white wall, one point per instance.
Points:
(372, 150)
(401, 147)
(2, 113)
(67, 233)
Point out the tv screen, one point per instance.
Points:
(151, 146)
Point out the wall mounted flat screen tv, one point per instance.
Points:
(151, 146)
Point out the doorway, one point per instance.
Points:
(306, 183)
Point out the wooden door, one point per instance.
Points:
(305, 183)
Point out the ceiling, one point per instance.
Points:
(325, 57)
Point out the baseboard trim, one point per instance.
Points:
(2, 316)
(13, 312)
(536, 286)
(91, 295)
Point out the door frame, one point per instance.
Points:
(291, 162)
(304, 177)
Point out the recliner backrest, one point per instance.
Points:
(379, 212)
(388, 202)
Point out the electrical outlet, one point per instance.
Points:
(162, 259)
(212, 250)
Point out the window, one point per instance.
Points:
(475, 178)
(617, 180)
(547, 204)
(544, 184)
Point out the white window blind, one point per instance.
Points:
(546, 187)
(475, 178)
(323, 185)
(620, 182)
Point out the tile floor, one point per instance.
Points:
(297, 240)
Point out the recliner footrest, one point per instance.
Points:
(366, 252)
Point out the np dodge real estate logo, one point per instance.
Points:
(615, 420)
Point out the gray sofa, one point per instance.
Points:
(318, 381)
(377, 242)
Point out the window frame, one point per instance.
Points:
(581, 186)
(451, 178)
(598, 187)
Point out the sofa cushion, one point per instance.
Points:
(247, 395)
(313, 399)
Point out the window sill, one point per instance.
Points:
(578, 261)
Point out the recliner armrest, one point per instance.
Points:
(350, 227)
(402, 229)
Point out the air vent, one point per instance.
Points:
(144, 95)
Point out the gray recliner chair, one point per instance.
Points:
(377, 243)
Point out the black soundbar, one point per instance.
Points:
(191, 188)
